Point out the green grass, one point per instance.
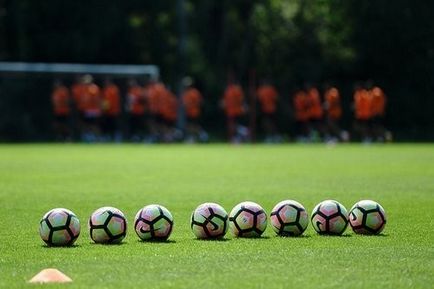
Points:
(36, 178)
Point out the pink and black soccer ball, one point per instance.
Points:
(209, 221)
(247, 219)
(153, 223)
(59, 227)
(289, 218)
(329, 218)
(367, 217)
(107, 225)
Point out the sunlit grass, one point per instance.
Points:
(36, 178)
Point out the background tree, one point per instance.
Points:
(289, 42)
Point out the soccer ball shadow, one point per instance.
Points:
(157, 241)
(347, 235)
(108, 244)
(381, 235)
(212, 239)
(254, 238)
(293, 237)
(60, 246)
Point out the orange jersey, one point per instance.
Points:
(111, 100)
(154, 95)
(78, 90)
(169, 106)
(267, 96)
(91, 102)
(233, 100)
(192, 100)
(60, 99)
(314, 104)
(136, 100)
(363, 104)
(333, 103)
(301, 106)
(378, 101)
(152, 98)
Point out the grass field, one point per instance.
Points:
(36, 178)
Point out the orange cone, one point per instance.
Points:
(50, 275)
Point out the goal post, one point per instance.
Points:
(26, 87)
(152, 71)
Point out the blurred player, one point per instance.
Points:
(378, 112)
(169, 114)
(233, 104)
(77, 91)
(268, 96)
(91, 105)
(333, 109)
(363, 112)
(301, 114)
(61, 101)
(136, 110)
(192, 100)
(154, 92)
(111, 110)
(316, 113)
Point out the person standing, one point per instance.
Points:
(77, 91)
(169, 114)
(154, 92)
(192, 102)
(301, 109)
(91, 105)
(378, 112)
(316, 113)
(333, 110)
(135, 109)
(61, 101)
(267, 96)
(363, 113)
(111, 110)
(234, 107)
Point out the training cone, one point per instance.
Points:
(50, 275)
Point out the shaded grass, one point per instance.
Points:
(36, 178)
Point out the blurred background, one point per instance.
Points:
(292, 46)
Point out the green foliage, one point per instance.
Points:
(289, 42)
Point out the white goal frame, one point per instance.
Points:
(80, 68)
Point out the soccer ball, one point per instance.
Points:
(107, 225)
(289, 218)
(247, 219)
(330, 218)
(209, 221)
(59, 227)
(367, 217)
(153, 222)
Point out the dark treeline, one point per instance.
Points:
(287, 42)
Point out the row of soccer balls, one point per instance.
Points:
(61, 227)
